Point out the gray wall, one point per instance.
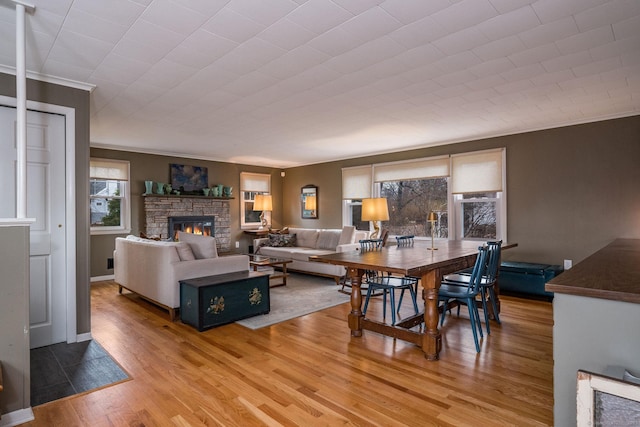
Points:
(14, 317)
(570, 190)
(156, 168)
(78, 99)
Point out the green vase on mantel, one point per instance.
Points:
(148, 187)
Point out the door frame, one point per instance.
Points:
(70, 203)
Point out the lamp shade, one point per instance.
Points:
(310, 203)
(432, 216)
(375, 209)
(263, 202)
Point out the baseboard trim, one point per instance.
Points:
(18, 417)
(102, 278)
(84, 337)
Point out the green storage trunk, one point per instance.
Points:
(211, 301)
(525, 278)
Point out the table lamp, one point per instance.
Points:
(263, 202)
(375, 210)
(432, 219)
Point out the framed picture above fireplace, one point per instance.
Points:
(189, 178)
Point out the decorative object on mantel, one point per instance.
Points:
(189, 179)
(206, 191)
(159, 188)
(148, 187)
(227, 191)
(168, 189)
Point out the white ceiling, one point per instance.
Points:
(290, 82)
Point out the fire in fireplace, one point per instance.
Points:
(191, 224)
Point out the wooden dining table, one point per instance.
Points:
(417, 260)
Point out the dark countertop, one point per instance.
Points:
(612, 273)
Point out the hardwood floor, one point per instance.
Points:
(309, 371)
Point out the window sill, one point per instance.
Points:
(100, 232)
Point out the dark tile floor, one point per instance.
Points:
(61, 370)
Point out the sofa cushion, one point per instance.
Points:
(328, 239)
(306, 238)
(281, 240)
(203, 247)
(185, 252)
(347, 235)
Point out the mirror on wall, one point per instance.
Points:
(309, 202)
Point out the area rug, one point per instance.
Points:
(303, 294)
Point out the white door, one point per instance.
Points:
(46, 204)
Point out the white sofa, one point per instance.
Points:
(153, 269)
(311, 242)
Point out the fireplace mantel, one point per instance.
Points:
(158, 208)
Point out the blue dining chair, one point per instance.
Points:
(487, 284)
(450, 292)
(379, 282)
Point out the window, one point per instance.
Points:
(466, 192)
(252, 184)
(109, 196)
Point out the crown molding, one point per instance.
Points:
(50, 79)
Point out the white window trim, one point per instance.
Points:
(263, 182)
(125, 204)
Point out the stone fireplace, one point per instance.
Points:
(158, 210)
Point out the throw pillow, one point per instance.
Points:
(282, 240)
(348, 235)
(203, 247)
(184, 252)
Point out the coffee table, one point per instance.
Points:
(256, 261)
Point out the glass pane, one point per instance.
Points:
(410, 203)
(105, 212)
(105, 188)
(356, 218)
(491, 195)
(479, 220)
(249, 214)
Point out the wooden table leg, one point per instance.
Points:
(355, 316)
(431, 339)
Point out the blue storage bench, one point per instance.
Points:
(527, 279)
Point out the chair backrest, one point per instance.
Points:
(371, 245)
(404, 240)
(479, 269)
(493, 260)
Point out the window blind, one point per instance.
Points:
(477, 172)
(116, 170)
(356, 182)
(255, 182)
(434, 167)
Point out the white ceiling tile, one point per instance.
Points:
(419, 56)
(92, 26)
(206, 7)
(286, 34)
(118, 69)
(455, 78)
(319, 16)
(43, 22)
(263, 12)
(499, 48)
(552, 77)
(232, 25)
(509, 24)
(419, 33)
(336, 41)
(357, 7)
(627, 28)
(411, 11)
(170, 15)
(586, 40)
(130, 48)
(371, 24)
(294, 62)
(154, 36)
(551, 10)
(492, 67)
(464, 14)
(567, 61)
(524, 73)
(550, 32)
(608, 13)
(365, 55)
(533, 55)
(121, 12)
(69, 71)
(166, 74)
(460, 41)
(86, 53)
(457, 62)
(261, 52)
(249, 84)
(504, 6)
(201, 49)
(487, 82)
